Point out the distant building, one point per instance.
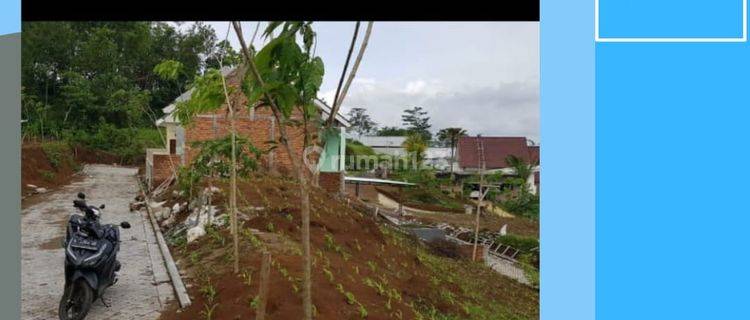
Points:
(390, 145)
(496, 150)
(435, 157)
(438, 158)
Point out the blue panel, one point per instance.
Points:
(567, 124)
(10, 16)
(670, 18)
(672, 122)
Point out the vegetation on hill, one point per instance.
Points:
(93, 83)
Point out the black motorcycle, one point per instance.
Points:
(90, 260)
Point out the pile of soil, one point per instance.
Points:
(38, 170)
(361, 268)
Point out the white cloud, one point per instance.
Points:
(482, 76)
(415, 87)
(508, 109)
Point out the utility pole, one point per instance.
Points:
(482, 164)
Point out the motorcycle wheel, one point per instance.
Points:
(76, 302)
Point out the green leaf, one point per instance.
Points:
(286, 98)
(312, 77)
(263, 58)
(207, 95)
(272, 25)
(168, 69)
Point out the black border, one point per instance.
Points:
(249, 10)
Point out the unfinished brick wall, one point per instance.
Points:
(257, 125)
(162, 168)
(331, 181)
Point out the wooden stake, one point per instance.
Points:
(265, 270)
(481, 195)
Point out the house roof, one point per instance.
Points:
(496, 149)
(170, 118)
(326, 110)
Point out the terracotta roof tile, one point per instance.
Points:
(496, 149)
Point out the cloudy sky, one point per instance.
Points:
(481, 76)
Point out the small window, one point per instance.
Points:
(172, 146)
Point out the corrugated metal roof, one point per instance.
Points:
(386, 141)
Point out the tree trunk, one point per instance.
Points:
(233, 180)
(453, 148)
(304, 196)
(306, 254)
(340, 99)
(233, 193)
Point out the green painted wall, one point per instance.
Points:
(332, 152)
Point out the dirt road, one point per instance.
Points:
(143, 286)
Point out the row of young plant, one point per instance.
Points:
(285, 76)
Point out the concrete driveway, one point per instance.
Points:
(143, 287)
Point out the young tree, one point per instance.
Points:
(210, 93)
(449, 137)
(286, 76)
(223, 52)
(415, 146)
(522, 171)
(416, 121)
(360, 121)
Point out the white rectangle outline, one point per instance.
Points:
(597, 38)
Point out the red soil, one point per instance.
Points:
(37, 170)
(351, 253)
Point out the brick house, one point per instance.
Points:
(255, 124)
(496, 150)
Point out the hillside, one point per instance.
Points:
(361, 268)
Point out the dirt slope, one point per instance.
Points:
(362, 269)
(53, 164)
(42, 170)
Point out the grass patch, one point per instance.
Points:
(59, 155)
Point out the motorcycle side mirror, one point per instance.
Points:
(125, 225)
(81, 195)
(101, 206)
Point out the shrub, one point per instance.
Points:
(524, 204)
(519, 242)
(127, 143)
(47, 175)
(58, 154)
(529, 248)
